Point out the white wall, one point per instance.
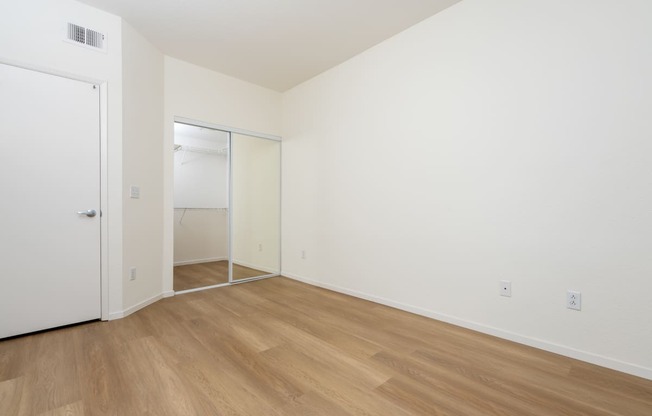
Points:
(143, 167)
(200, 94)
(200, 179)
(31, 33)
(200, 236)
(496, 140)
(201, 220)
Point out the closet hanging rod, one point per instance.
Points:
(186, 148)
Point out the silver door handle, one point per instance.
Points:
(88, 213)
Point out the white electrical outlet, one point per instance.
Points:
(260, 247)
(574, 300)
(132, 273)
(303, 254)
(134, 191)
(505, 288)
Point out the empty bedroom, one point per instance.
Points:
(310, 207)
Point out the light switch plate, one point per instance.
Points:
(134, 191)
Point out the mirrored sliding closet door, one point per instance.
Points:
(227, 206)
(256, 202)
(201, 207)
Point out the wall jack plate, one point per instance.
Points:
(505, 288)
(574, 300)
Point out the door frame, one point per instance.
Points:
(104, 177)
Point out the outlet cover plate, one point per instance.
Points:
(505, 288)
(574, 300)
(134, 191)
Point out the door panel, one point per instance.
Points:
(256, 202)
(49, 171)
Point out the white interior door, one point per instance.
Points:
(49, 171)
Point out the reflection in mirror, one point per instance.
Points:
(256, 181)
(201, 217)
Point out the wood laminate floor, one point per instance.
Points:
(281, 348)
(192, 276)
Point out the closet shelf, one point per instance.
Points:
(205, 150)
(183, 214)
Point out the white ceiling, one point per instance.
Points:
(273, 43)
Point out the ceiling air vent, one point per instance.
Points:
(82, 36)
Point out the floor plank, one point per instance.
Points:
(278, 347)
(193, 276)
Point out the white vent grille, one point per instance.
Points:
(76, 33)
(86, 37)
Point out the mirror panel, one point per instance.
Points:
(256, 203)
(201, 217)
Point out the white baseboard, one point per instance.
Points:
(139, 305)
(588, 357)
(198, 261)
(116, 315)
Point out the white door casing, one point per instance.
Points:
(49, 171)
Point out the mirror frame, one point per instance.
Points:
(231, 212)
